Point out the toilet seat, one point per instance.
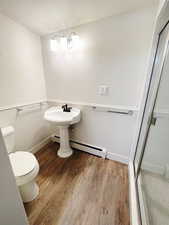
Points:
(22, 163)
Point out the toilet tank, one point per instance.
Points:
(9, 137)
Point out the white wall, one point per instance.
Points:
(21, 67)
(21, 81)
(114, 52)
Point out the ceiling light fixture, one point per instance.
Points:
(66, 42)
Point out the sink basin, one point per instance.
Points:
(63, 120)
(60, 118)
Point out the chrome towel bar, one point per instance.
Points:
(123, 111)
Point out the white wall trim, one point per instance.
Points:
(153, 168)
(15, 106)
(40, 145)
(86, 104)
(163, 114)
(117, 157)
(134, 210)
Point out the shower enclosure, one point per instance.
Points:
(151, 162)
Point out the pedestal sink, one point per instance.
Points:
(63, 120)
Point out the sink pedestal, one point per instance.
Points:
(63, 119)
(65, 150)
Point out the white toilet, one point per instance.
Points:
(25, 167)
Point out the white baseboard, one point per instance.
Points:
(117, 157)
(95, 150)
(40, 145)
(84, 147)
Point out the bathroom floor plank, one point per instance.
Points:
(80, 190)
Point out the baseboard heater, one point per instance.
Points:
(84, 147)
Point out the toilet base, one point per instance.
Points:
(29, 191)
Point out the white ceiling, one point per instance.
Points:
(47, 16)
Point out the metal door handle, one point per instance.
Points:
(153, 121)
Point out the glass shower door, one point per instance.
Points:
(153, 179)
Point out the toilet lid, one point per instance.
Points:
(22, 163)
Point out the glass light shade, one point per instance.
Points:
(75, 37)
(69, 43)
(75, 40)
(63, 43)
(53, 45)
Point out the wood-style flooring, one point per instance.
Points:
(80, 190)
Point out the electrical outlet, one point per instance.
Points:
(103, 90)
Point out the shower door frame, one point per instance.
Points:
(135, 205)
(153, 88)
(163, 45)
(162, 22)
(154, 77)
